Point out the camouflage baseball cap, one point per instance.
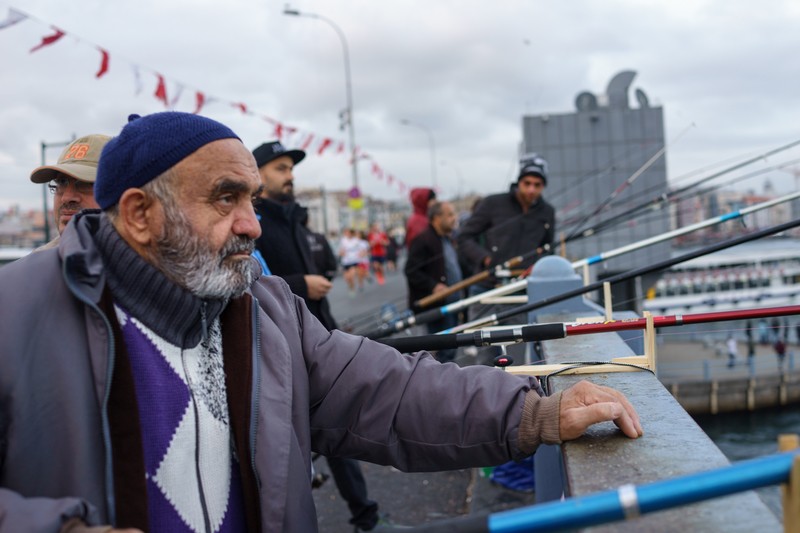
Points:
(78, 160)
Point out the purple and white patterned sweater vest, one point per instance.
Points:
(193, 481)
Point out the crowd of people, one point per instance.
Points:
(154, 378)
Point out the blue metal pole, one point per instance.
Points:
(630, 501)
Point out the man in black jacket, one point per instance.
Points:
(285, 248)
(504, 226)
(432, 266)
(510, 224)
(283, 242)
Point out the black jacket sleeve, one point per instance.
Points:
(470, 233)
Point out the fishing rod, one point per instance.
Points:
(739, 213)
(624, 276)
(662, 198)
(630, 501)
(669, 196)
(676, 198)
(436, 313)
(625, 184)
(481, 276)
(559, 330)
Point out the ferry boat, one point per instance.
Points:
(764, 273)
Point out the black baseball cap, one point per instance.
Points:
(273, 150)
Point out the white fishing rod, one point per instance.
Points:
(448, 309)
(684, 230)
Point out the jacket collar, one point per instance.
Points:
(273, 209)
(94, 255)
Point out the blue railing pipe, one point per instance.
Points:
(629, 501)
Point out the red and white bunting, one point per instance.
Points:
(288, 135)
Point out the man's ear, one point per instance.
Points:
(139, 217)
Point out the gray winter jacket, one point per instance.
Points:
(310, 390)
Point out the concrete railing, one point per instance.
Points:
(673, 444)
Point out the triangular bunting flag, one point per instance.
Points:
(199, 99)
(48, 40)
(14, 16)
(103, 63)
(177, 97)
(137, 80)
(307, 141)
(326, 142)
(161, 90)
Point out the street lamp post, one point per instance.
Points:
(427, 130)
(459, 177)
(348, 118)
(44, 146)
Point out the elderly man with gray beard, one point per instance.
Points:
(150, 379)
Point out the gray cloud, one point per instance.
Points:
(467, 70)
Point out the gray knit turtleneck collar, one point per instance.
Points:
(147, 294)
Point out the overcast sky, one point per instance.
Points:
(466, 70)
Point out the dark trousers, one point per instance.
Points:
(353, 488)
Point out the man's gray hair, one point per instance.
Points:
(162, 188)
(435, 210)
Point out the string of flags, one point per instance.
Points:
(289, 135)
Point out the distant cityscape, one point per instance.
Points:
(329, 212)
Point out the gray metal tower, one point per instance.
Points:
(591, 153)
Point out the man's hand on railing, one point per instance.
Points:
(585, 404)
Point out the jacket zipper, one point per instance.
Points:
(256, 387)
(109, 460)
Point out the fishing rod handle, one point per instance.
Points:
(423, 342)
(484, 337)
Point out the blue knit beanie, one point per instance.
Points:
(147, 147)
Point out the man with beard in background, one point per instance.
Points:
(71, 180)
(284, 245)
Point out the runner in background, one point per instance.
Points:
(378, 241)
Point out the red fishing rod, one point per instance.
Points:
(560, 330)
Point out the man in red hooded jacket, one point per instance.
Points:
(421, 199)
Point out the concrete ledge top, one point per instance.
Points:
(673, 445)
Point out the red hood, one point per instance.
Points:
(419, 200)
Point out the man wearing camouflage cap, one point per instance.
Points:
(71, 179)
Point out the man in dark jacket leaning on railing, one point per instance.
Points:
(150, 379)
